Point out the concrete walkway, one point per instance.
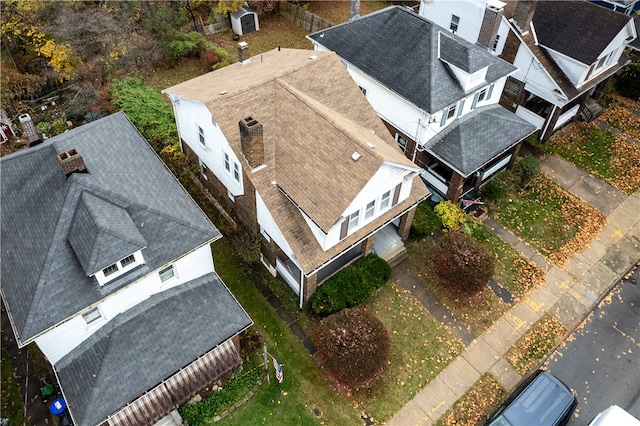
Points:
(569, 293)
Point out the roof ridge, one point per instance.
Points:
(333, 118)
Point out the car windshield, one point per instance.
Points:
(542, 403)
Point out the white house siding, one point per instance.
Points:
(59, 341)
(574, 70)
(535, 77)
(269, 225)
(190, 113)
(471, 14)
(391, 107)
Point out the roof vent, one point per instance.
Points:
(313, 57)
(71, 162)
(370, 145)
(356, 156)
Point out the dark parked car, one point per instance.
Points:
(541, 400)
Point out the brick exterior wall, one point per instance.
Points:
(405, 224)
(455, 187)
(489, 27)
(511, 46)
(523, 12)
(367, 245)
(252, 140)
(310, 286)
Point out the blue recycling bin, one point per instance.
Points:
(58, 406)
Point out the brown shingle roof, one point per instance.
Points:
(314, 117)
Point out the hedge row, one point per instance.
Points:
(351, 286)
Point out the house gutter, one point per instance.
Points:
(365, 237)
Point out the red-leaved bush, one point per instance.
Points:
(463, 263)
(354, 346)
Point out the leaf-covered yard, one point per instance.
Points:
(550, 219)
(608, 155)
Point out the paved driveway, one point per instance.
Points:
(601, 359)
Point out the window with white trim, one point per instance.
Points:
(203, 169)
(92, 315)
(236, 171)
(455, 21)
(167, 273)
(402, 142)
(495, 42)
(201, 135)
(119, 268)
(448, 113)
(354, 220)
(227, 163)
(385, 202)
(370, 210)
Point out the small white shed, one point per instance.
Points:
(244, 21)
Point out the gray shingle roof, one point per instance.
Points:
(140, 348)
(399, 49)
(478, 137)
(102, 233)
(578, 29)
(43, 280)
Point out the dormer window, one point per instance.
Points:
(455, 21)
(119, 268)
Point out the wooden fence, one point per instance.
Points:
(303, 18)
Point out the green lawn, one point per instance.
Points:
(548, 218)
(420, 348)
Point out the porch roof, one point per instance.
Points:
(477, 138)
(145, 345)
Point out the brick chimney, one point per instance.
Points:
(71, 162)
(252, 141)
(243, 52)
(522, 12)
(491, 23)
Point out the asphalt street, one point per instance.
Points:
(601, 359)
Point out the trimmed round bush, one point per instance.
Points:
(350, 286)
(463, 263)
(353, 345)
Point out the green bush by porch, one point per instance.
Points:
(351, 286)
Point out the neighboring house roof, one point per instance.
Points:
(314, 118)
(145, 345)
(578, 29)
(556, 73)
(478, 137)
(127, 197)
(400, 49)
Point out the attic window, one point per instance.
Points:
(455, 21)
(119, 268)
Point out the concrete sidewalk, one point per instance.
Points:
(569, 293)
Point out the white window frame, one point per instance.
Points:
(227, 163)
(448, 113)
(103, 278)
(201, 137)
(174, 274)
(236, 171)
(89, 317)
(401, 141)
(370, 210)
(203, 169)
(454, 24)
(354, 221)
(385, 200)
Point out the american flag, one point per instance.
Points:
(278, 368)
